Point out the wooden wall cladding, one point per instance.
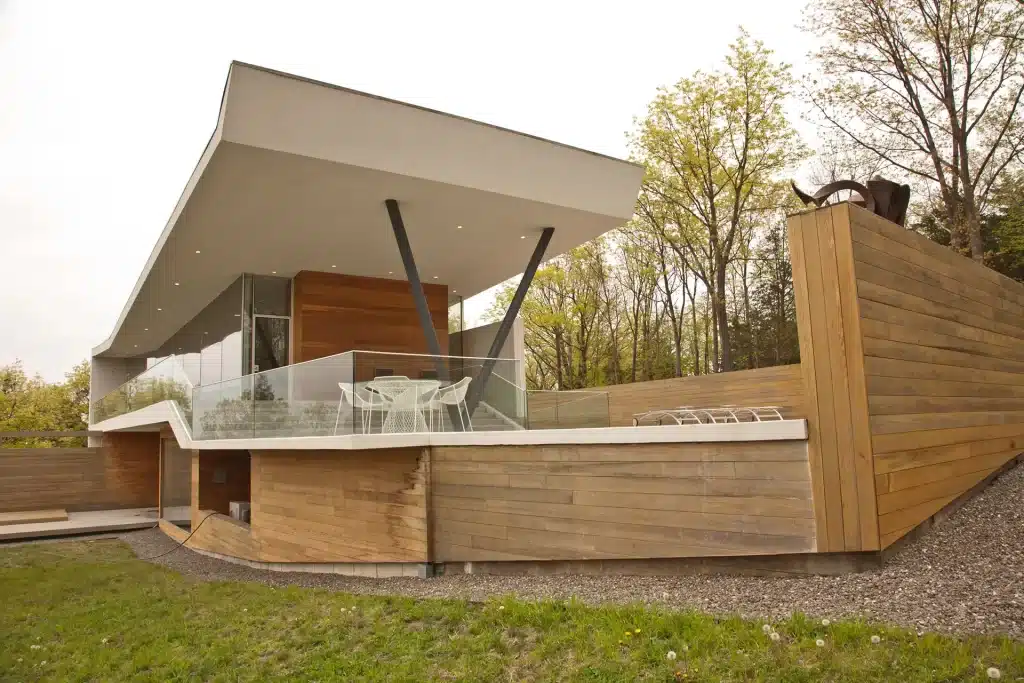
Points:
(832, 364)
(943, 341)
(336, 313)
(775, 386)
(340, 506)
(224, 536)
(640, 501)
(122, 473)
(217, 495)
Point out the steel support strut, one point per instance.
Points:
(476, 389)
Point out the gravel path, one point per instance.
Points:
(964, 576)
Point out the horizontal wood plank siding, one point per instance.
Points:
(340, 506)
(943, 340)
(774, 386)
(334, 313)
(121, 473)
(591, 502)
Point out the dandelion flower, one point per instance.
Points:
(629, 634)
(620, 642)
(43, 663)
(343, 609)
(501, 607)
(104, 641)
(670, 656)
(686, 648)
(994, 672)
(20, 659)
(767, 628)
(825, 622)
(34, 647)
(819, 642)
(774, 636)
(636, 631)
(876, 640)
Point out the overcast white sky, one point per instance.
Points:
(105, 108)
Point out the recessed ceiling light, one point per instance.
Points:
(273, 272)
(391, 272)
(136, 346)
(176, 284)
(334, 266)
(522, 237)
(145, 329)
(458, 227)
(435, 277)
(159, 309)
(197, 251)
(238, 315)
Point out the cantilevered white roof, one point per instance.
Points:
(295, 177)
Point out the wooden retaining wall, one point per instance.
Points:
(122, 473)
(913, 359)
(340, 506)
(637, 501)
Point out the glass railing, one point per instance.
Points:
(165, 381)
(364, 392)
(567, 409)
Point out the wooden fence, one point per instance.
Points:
(913, 362)
(122, 473)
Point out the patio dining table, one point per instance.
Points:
(403, 402)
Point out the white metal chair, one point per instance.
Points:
(356, 399)
(405, 411)
(452, 395)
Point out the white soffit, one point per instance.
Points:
(295, 177)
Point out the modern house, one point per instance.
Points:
(288, 346)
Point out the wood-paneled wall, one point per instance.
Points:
(641, 501)
(340, 506)
(913, 359)
(335, 313)
(121, 473)
(943, 340)
(775, 386)
(832, 364)
(217, 496)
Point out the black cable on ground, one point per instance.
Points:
(184, 540)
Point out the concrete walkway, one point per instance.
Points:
(99, 521)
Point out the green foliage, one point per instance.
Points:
(83, 611)
(33, 404)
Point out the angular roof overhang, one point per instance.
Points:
(295, 177)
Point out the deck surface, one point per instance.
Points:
(82, 523)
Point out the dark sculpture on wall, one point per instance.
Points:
(881, 197)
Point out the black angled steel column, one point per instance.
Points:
(476, 389)
(426, 322)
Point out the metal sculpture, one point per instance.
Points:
(881, 197)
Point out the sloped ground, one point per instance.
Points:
(964, 576)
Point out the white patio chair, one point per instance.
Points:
(405, 411)
(357, 400)
(452, 395)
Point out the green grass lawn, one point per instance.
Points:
(89, 611)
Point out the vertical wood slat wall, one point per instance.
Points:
(913, 365)
(832, 362)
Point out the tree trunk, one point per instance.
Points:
(722, 319)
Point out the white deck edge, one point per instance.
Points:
(167, 412)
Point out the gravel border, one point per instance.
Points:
(963, 576)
